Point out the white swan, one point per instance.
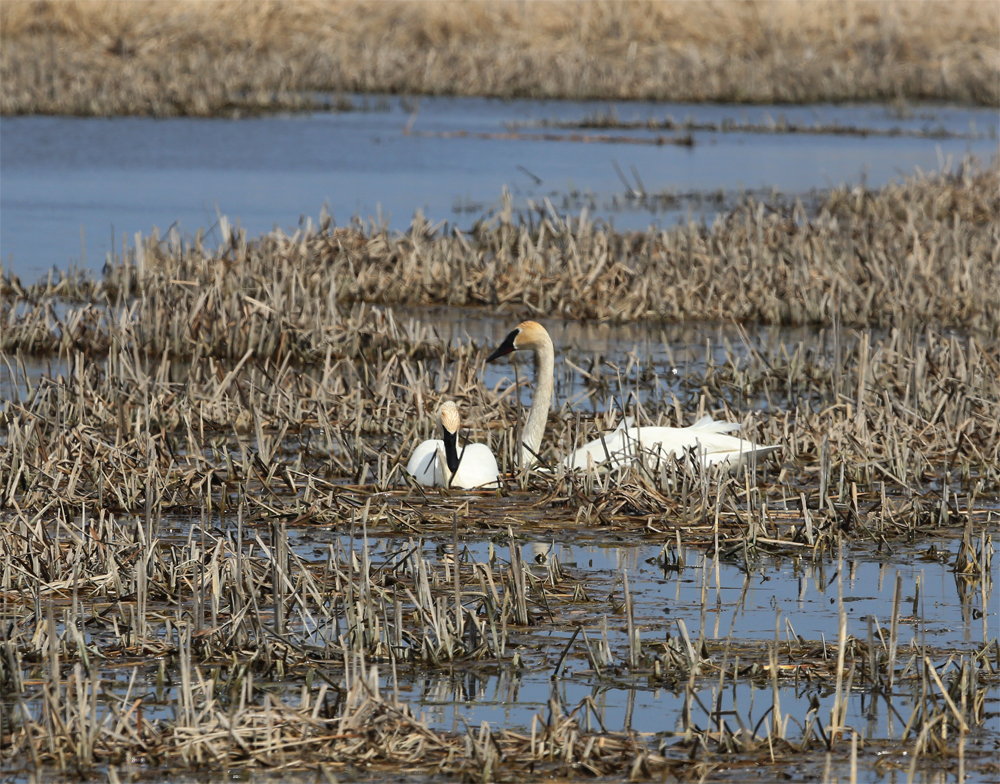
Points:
(439, 463)
(707, 438)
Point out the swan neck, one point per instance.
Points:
(534, 427)
(451, 450)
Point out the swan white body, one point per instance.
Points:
(710, 438)
(477, 468)
(427, 463)
(439, 463)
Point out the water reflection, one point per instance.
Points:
(776, 597)
(453, 702)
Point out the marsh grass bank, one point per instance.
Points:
(924, 251)
(244, 651)
(167, 58)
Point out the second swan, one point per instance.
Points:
(706, 440)
(439, 463)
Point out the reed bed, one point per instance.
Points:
(861, 261)
(904, 409)
(924, 251)
(207, 411)
(256, 347)
(174, 58)
(223, 619)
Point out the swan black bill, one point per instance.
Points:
(506, 347)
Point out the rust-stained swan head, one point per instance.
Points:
(450, 419)
(526, 335)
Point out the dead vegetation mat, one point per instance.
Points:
(925, 251)
(199, 405)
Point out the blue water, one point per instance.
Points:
(72, 187)
(725, 599)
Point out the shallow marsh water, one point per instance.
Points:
(772, 599)
(775, 597)
(73, 186)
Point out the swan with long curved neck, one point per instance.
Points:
(707, 440)
(439, 463)
(530, 335)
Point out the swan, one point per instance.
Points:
(438, 463)
(532, 335)
(706, 439)
(709, 440)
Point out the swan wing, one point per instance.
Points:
(708, 425)
(477, 468)
(619, 443)
(708, 437)
(626, 423)
(424, 465)
(712, 447)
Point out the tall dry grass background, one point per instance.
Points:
(167, 57)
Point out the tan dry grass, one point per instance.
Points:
(95, 461)
(168, 58)
(338, 395)
(256, 401)
(922, 252)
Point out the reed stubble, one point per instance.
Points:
(922, 252)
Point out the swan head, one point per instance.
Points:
(526, 335)
(450, 419)
(450, 422)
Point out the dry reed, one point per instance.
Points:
(224, 57)
(922, 252)
(231, 610)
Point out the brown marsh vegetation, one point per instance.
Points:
(925, 251)
(609, 120)
(205, 404)
(163, 57)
